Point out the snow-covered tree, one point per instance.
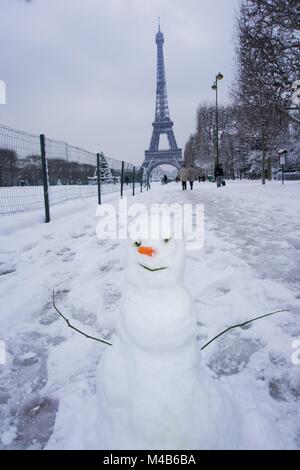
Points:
(262, 117)
(267, 54)
(105, 171)
(201, 146)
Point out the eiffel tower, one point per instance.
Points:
(162, 123)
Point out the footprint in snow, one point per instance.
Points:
(23, 410)
(101, 242)
(78, 235)
(48, 237)
(112, 265)
(63, 250)
(48, 315)
(219, 290)
(68, 257)
(86, 318)
(111, 297)
(233, 354)
(285, 387)
(7, 269)
(30, 246)
(35, 423)
(113, 247)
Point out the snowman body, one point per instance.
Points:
(153, 391)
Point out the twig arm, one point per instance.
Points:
(74, 327)
(241, 325)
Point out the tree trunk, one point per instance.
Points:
(263, 169)
(270, 168)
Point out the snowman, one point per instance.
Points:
(153, 391)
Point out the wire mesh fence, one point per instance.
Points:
(31, 178)
(21, 181)
(69, 170)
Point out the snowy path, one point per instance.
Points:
(249, 266)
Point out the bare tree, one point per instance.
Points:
(8, 167)
(262, 115)
(266, 66)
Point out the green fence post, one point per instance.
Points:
(122, 178)
(98, 178)
(133, 181)
(45, 177)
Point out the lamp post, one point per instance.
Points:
(282, 160)
(191, 151)
(219, 76)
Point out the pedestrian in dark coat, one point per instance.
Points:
(219, 174)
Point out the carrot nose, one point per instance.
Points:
(146, 250)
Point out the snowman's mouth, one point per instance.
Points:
(150, 269)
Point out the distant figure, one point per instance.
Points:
(203, 178)
(184, 176)
(192, 176)
(165, 178)
(219, 174)
(147, 184)
(126, 180)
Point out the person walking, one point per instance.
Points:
(165, 179)
(192, 176)
(183, 175)
(219, 174)
(222, 175)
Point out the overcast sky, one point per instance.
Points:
(84, 71)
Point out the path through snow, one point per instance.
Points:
(249, 265)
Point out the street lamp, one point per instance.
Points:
(282, 160)
(219, 76)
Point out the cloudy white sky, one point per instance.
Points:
(84, 71)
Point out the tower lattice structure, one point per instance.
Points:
(162, 123)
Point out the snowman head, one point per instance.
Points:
(156, 264)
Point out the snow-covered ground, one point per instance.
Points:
(18, 199)
(249, 266)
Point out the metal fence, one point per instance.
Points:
(37, 172)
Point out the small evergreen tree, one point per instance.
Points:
(105, 171)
